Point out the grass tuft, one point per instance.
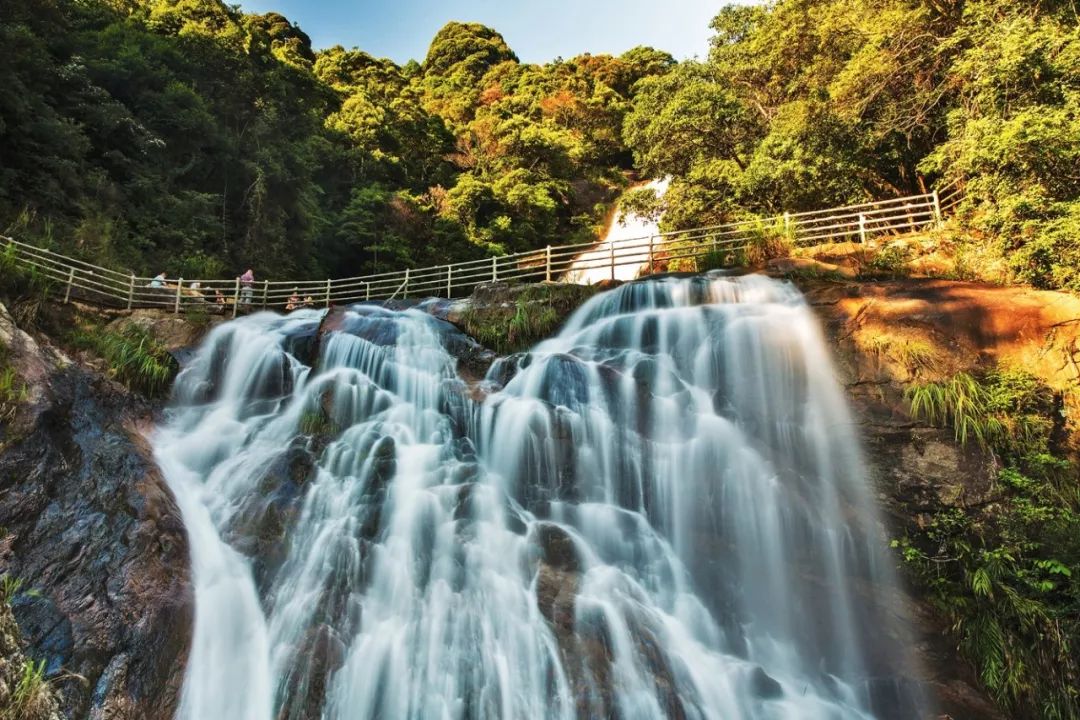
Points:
(135, 357)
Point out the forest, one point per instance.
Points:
(188, 136)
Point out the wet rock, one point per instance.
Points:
(383, 461)
(763, 686)
(556, 547)
(556, 591)
(45, 628)
(96, 538)
(893, 698)
(260, 528)
(321, 654)
(474, 360)
(333, 321)
(503, 370)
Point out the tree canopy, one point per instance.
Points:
(189, 136)
(810, 103)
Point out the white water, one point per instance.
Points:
(624, 242)
(662, 514)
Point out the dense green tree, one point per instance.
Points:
(186, 135)
(809, 103)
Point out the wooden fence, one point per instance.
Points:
(71, 278)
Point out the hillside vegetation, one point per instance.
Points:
(810, 103)
(188, 136)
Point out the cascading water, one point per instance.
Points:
(625, 244)
(659, 513)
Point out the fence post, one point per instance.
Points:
(236, 297)
(862, 228)
(179, 289)
(367, 291)
(787, 224)
(651, 239)
(494, 269)
(406, 293)
(327, 292)
(131, 291)
(71, 279)
(611, 253)
(266, 291)
(547, 265)
(938, 219)
(449, 281)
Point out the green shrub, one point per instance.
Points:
(318, 423)
(13, 392)
(961, 402)
(888, 262)
(24, 287)
(1007, 573)
(767, 241)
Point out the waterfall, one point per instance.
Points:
(659, 513)
(626, 241)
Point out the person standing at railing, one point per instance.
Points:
(247, 287)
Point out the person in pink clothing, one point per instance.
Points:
(247, 287)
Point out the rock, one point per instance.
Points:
(764, 686)
(321, 654)
(48, 629)
(808, 266)
(556, 591)
(176, 332)
(260, 527)
(96, 538)
(890, 335)
(556, 547)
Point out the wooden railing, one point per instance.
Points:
(76, 279)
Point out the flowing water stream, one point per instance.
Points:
(623, 253)
(659, 513)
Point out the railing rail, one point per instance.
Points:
(80, 280)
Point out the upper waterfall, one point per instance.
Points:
(661, 512)
(622, 242)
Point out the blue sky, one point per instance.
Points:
(537, 30)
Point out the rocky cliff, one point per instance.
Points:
(92, 534)
(892, 336)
